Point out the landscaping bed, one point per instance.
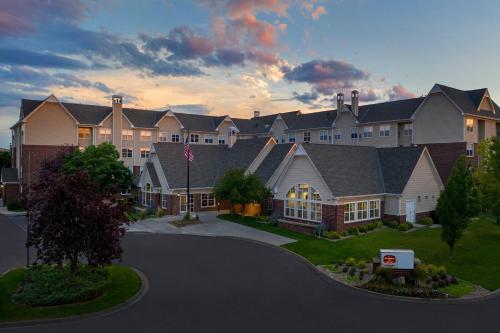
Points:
(49, 291)
(184, 223)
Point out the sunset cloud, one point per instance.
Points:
(400, 92)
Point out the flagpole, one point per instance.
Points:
(188, 199)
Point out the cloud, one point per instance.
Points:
(368, 95)
(400, 92)
(37, 59)
(70, 80)
(306, 98)
(25, 16)
(310, 9)
(190, 108)
(320, 10)
(239, 8)
(225, 57)
(325, 76)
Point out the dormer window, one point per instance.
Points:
(469, 124)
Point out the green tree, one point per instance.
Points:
(456, 205)
(4, 159)
(238, 188)
(488, 176)
(102, 164)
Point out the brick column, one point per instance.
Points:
(339, 218)
(278, 206)
(329, 217)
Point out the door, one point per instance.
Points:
(183, 203)
(410, 211)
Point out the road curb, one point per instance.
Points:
(103, 313)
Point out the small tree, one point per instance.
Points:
(103, 164)
(5, 159)
(72, 218)
(456, 205)
(238, 188)
(488, 176)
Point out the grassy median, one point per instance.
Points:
(476, 255)
(124, 283)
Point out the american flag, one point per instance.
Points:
(188, 152)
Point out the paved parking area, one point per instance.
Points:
(210, 226)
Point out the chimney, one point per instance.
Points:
(355, 102)
(340, 101)
(232, 134)
(256, 114)
(117, 121)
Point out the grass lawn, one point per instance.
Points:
(476, 256)
(125, 283)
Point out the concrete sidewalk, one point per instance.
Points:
(210, 226)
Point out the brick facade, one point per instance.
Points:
(444, 156)
(10, 192)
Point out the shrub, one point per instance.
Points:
(435, 278)
(371, 226)
(344, 233)
(441, 284)
(46, 285)
(331, 235)
(273, 221)
(345, 269)
(379, 224)
(404, 226)
(361, 274)
(426, 221)
(361, 264)
(453, 280)
(350, 261)
(143, 214)
(363, 228)
(352, 271)
(420, 272)
(160, 212)
(435, 285)
(366, 270)
(353, 231)
(393, 224)
(432, 270)
(384, 274)
(14, 204)
(441, 270)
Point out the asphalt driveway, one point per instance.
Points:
(220, 284)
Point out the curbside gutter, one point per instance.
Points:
(103, 313)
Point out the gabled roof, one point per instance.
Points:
(210, 161)
(322, 119)
(389, 111)
(397, 165)
(362, 170)
(197, 122)
(272, 161)
(263, 124)
(470, 100)
(152, 174)
(9, 175)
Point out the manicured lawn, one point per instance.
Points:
(125, 283)
(476, 256)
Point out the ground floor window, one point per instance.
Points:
(207, 200)
(470, 150)
(303, 202)
(361, 210)
(164, 201)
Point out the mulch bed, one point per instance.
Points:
(184, 223)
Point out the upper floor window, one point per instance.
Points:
(145, 152)
(291, 137)
(146, 136)
(283, 138)
(162, 137)
(303, 202)
(384, 130)
(408, 130)
(222, 139)
(354, 133)
(84, 133)
(127, 152)
(307, 136)
(105, 133)
(323, 135)
(194, 138)
(176, 138)
(127, 135)
(470, 124)
(367, 131)
(209, 139)
(470, 150)
(337, 135)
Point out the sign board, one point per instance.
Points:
(398, 259)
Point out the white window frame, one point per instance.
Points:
(208, 138)
(307, 136)
(367, 132)
(354, 133)
(146, 136)
(384, 131)
(175, 137)
(469, 124)
(207, 200)
(353, 213)
(86, 136)
(145, 152)
(304, 207)
(194, 138)
(129, 152)
(222, 139)
(127, 135)
(163, 137)
(323, 135)
(291, 137)
(408, 130)
(164, 200)
(469, 152)
(105, 133)
(147, 195)
(337, 135)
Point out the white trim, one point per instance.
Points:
(169, 113)
(367, 211)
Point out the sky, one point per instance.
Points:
(234, 56)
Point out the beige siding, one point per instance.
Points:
(473, 136)
(170, 125)
(223, 130)
(344, 200)
(314, 134)
(485, 104)
(108, 123)
(424, 182)
(302, 171)
(391, 205)
(379, 141)
(403, 140)
(490, 129)
(344, 122)
(438, 121)
(278, 130)
(50, 125)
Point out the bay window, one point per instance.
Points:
(303, 202)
